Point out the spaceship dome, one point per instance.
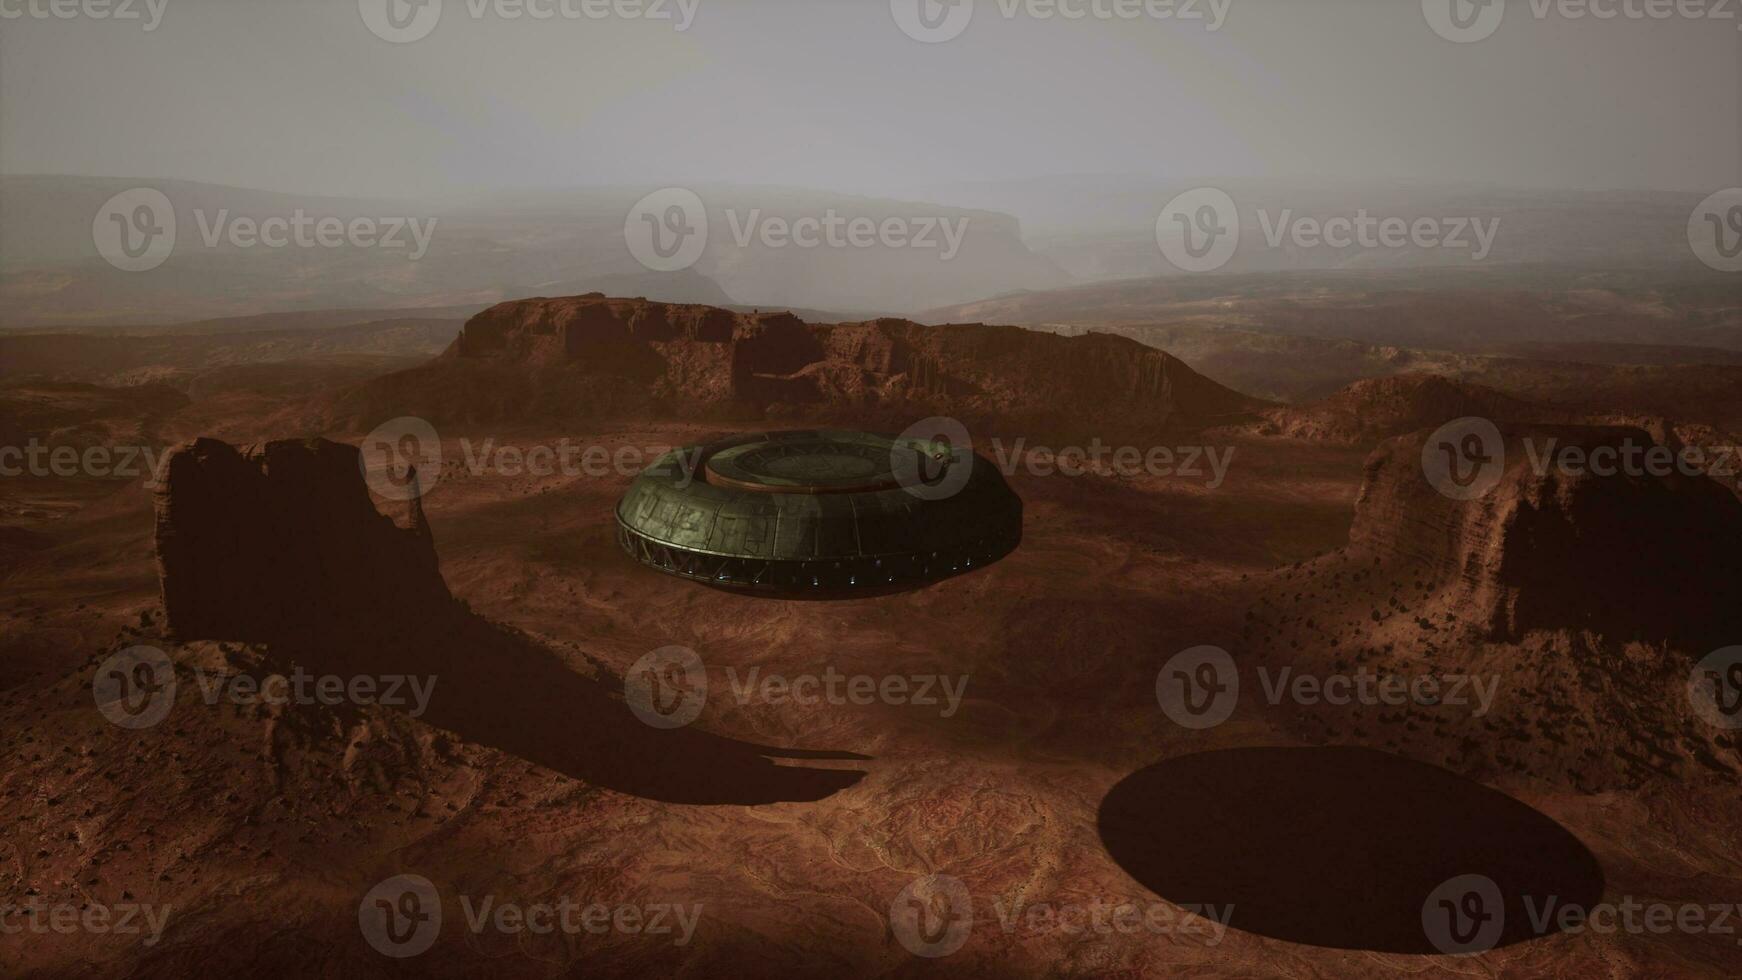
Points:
(819, 511)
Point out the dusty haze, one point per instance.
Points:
(300, 97)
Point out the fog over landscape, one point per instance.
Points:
(831, 95)
(530, 127)
(865, 488)
(518, 134)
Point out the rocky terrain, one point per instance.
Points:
(1653, 550)
(1587, 595)
(593, 357)
(1651, 342)
(84, 415)
(1379, 408)
(1561, 615)
(1464, 310)
(182, 357)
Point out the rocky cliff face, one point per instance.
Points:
(284, 543)
(546, 359)
(1581, 598)
(1560, 543)
(1379, 408)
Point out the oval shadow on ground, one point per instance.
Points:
(1346, 848)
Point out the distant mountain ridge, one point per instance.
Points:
(479, 251)
(592, 355)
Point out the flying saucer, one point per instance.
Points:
(819, 511)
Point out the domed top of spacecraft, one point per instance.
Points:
(819, 508)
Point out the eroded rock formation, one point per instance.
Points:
(542, 359)
(1378, 408)
(1651, 551)
(284, 543)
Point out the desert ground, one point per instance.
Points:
(897, 488)
(1095, 835)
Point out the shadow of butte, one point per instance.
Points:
(284, 546)
(1338, 847)
(497, 688)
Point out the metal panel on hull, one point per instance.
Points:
(813, 509)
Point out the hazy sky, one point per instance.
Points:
(300, 95)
